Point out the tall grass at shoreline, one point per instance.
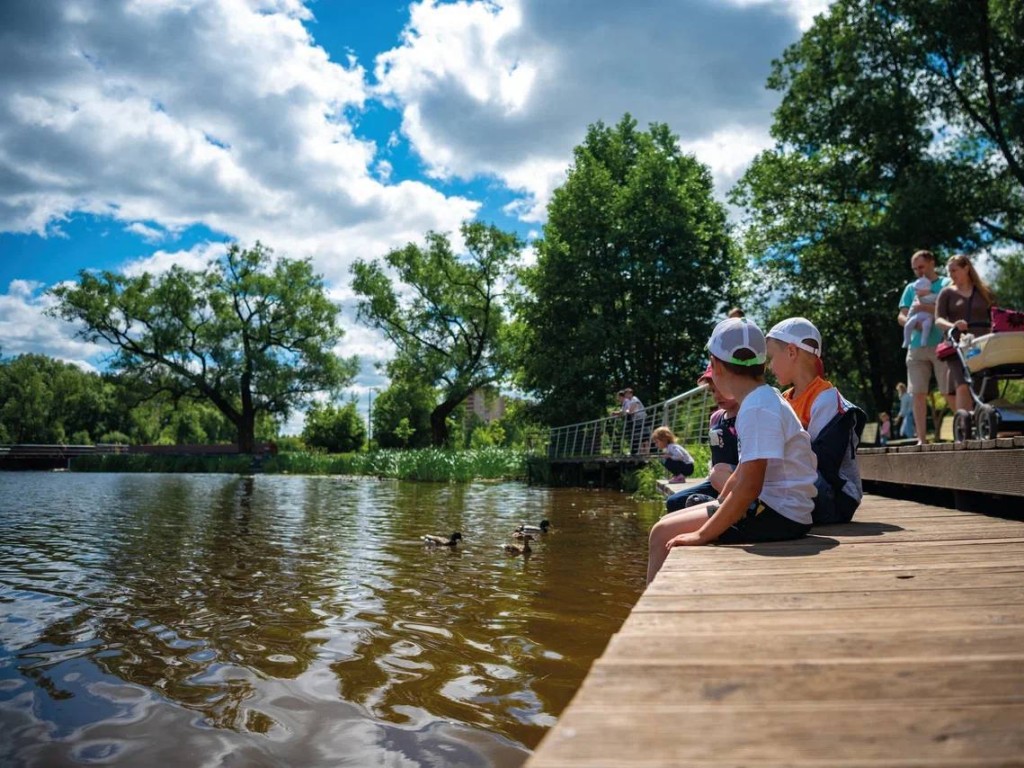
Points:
(426, 465)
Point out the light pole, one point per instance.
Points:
(369, 414)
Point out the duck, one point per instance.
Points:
(520, 549)
(532, 530)
(522, 530)
(440, 541)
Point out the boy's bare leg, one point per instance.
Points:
(671, 525)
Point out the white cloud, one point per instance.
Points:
(224, 113)
(507, 87)
(194, 259)
(147, 233)
(26, 328)
(728, 152)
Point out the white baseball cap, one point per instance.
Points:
(798, 331)
(736, 334)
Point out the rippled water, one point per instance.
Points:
(190, 620)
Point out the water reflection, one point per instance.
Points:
(288, 621)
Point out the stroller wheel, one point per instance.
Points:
(988, 422)
(962, 426)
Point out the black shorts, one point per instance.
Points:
(761, 523)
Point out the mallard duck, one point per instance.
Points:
(441, 541)
(532, 530)
(520, 549)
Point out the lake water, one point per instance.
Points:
(210, 620)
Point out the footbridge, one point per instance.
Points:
(598, 451)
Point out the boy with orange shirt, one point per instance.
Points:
(833, 422)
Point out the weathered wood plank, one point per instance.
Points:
(812, 643)
(855, 734)
(643, 686)
(998, 471)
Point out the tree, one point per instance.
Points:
(1008, 282)
(972, 65)
(401, 415)
(333, 428)
(634, 265)
(250, 335)
(865, 171)
(448, 324)
(43, 400)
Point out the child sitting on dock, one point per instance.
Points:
(725, 450)
(771, 494)
(677, 459)
(833, 422)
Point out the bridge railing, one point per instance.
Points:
(618, 436)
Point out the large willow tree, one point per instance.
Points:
(250, 335)
(633, 268)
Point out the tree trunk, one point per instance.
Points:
(439, 420)
(246, 426)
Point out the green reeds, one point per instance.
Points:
(427, 464)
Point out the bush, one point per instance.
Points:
(336, 430)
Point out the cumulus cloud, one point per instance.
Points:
(25, 327)
(507, 87)
(222, 112)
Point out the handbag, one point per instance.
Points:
(1006, 320)
(945, 350)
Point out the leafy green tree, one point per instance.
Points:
(972, 67)
(1008, 283)
(635, 263)
(865, 171)
(333, 428)
(401, 415)
(447, 324)
(250, 335)
(45, 400)
(26, 400)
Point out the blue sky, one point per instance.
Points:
(135, 134)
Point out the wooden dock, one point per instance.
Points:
(895, 640)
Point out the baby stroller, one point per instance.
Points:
(987, 360)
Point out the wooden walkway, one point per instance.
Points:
(895, 640)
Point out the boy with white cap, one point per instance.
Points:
(832, 421)
(771, 494)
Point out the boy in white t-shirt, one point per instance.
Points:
(771, 494)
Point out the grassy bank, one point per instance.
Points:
(428, 464)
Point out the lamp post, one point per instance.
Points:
(369, 414)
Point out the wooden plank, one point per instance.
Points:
(681, 583)
(813, 643)
(999, 471)
(812, 601)
(836, 620)
(810, 734)
(644, 685)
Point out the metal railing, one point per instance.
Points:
(620, 436)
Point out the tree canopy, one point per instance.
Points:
(897, 131)
(633, 267)
(446, 317)
(251, 335)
